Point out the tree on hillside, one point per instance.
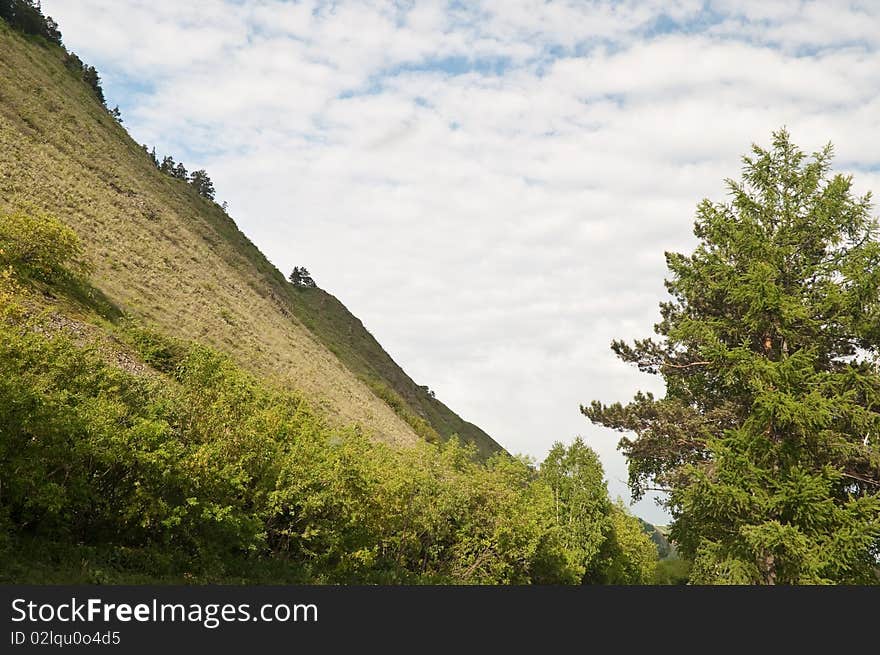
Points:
(90, 76)
(300, 277)
(72, 62)
(52, 33)
(202, 183)
(768, 437)
(27, 16)
(151, 153)
(167, 165)
(180, 172)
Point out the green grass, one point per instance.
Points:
(176, 262)
(29, 560)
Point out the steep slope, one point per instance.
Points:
(349, 340)
(175, 260)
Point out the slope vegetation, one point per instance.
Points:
(177, 261)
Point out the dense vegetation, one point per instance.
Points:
(27, 17)
(768, 438)
(185, 467)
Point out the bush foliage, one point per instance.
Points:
(39, 247)
(198, 469)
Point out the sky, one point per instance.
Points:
(489, 186)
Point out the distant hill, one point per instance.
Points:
(178, 263)
(665, 549)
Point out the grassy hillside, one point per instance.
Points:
(178, 263)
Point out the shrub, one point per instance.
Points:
(9, 294)
(38, 246)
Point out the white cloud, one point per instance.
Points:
(495, 227)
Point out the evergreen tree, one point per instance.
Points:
(300, 277)
(7, 10)
(90, 76)
(167, 165)
(180, 171)
(295, 276)
(151, 153)
(202, 183)
(72, 62)
(52, 33)
(27, 16)
(768, 437)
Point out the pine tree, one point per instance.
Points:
(7, 10)
(72, 62)
(52, 33)
(295, 277)
(768, 437)
(27, 16)
(167, 165)
(90, 76)
(202, 183)
(300, 277)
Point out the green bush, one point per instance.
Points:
(40, 247)
(162, 353)
(673, 571)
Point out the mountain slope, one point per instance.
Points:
(349, 340)
(177, 262)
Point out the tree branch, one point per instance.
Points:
(861, 479)
(671, 365)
